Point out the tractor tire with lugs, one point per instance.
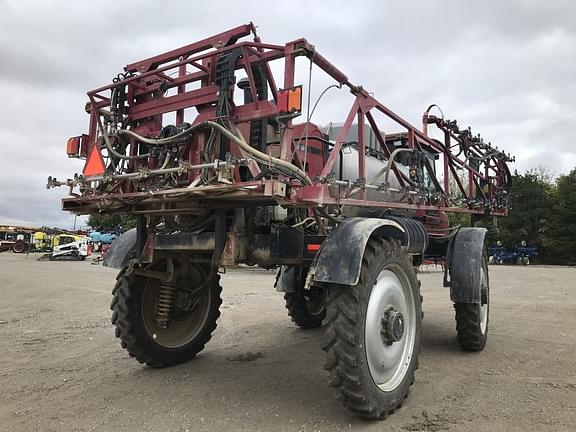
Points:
(133, 305)
(373, 332)
(306, 312)
(472, 318)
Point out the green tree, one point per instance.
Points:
(532, 200)
(561, 237)
(107, 223)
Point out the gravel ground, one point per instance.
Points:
(63, 370)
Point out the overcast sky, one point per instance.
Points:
(508, 68)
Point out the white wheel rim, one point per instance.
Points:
(483, 306)
(388, 363)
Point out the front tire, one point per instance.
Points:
(373, 332)
(133, 308)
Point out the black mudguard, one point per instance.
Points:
(290, 278)
(464, 263)
(340, 258)
(286, 279)
(122, 250)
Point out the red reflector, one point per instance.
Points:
(73, 147)
(95, 163)
(283, 101)
(77, 147)
(312, 247)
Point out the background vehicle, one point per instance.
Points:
(7, 245)
(218, 178)
(70, 247)
(15, 239)
(519, 255)
(61, 246)
(102, 237)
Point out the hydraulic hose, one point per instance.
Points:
(263, 157)
(389, 165)
(161, 141)
(120, 155)
(260, 156)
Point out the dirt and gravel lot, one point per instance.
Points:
(62, 369)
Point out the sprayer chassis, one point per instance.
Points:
(346, 246)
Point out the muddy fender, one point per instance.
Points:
(340, 257)
(286, 279)
(464, 265)
(122, 250)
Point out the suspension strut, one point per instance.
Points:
(166, 297)
(164, 304)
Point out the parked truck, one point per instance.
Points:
(203, 145)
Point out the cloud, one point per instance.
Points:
(505, 68)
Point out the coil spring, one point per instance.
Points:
(164, 304)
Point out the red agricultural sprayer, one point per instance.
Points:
(202, 143)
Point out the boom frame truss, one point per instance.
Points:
(190, 72)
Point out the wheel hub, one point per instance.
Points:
(392, 325)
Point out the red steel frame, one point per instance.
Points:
(148, 80)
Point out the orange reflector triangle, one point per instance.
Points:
(95, 163)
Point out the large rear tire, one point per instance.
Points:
(373, 332)
(472, 318)
(192, 320)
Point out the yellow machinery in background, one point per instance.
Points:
(41, 241)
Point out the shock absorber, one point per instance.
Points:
(166, 297)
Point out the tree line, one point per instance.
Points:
(543, 214)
